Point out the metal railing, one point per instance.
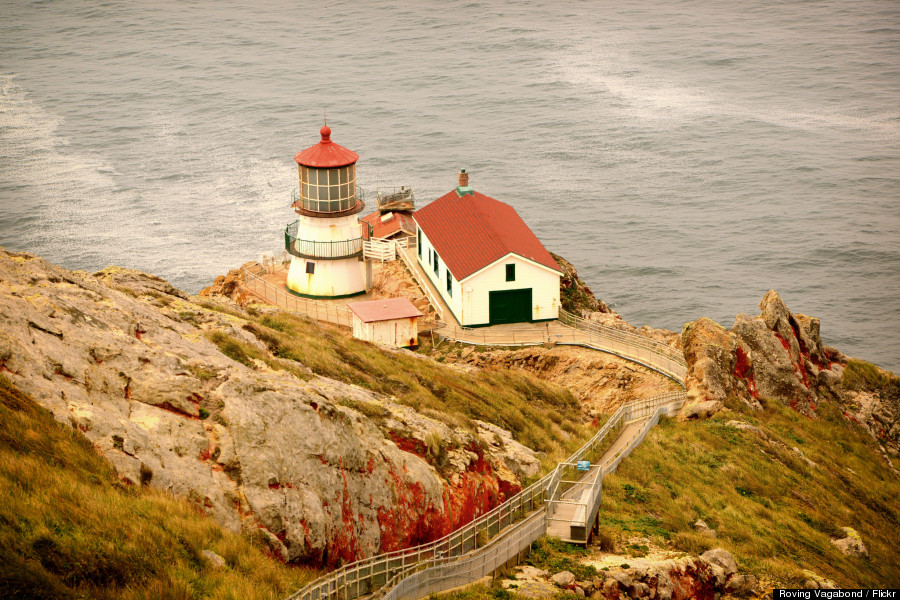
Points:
(322, 311)
(491, 540)
(423, 284)
(575, 331)
(368, 575)
(331, 250)
(639, 348)
(440, 574)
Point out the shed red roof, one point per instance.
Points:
(471, 231)
(400, 221)
(326, 154)
(384, 310)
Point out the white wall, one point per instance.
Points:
(342, 277)
(543, 282)
(453, 299)
(397, 333)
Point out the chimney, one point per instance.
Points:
(463, 178)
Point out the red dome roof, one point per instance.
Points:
(326, 154)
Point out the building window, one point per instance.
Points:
(310, 267)
(437, 265)
(510, 272)
(449, 283)
(419, 243)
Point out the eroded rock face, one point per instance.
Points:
(257, 449)
(778, 356)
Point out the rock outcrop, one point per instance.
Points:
(230, 285)
(710, 576)
(125, 358)
(779, 356)
(574, 294)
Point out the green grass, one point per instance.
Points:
(70, 529)
(554, 556)
(864, 376)
(543, 416)
(772, 510)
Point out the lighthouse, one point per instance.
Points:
(325, 244)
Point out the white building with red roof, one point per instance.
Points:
(484, 260)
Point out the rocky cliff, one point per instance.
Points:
(779, 356)
(327, 470)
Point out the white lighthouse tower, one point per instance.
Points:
(324, 242)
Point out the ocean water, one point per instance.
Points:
(686, 157)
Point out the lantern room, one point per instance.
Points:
(327, 178)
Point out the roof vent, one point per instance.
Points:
(387, 217)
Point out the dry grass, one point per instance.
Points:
(70, 529)
(772, 510)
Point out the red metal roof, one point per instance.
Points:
(384, 310)
(400, 221)
(471, 231)
(326, 154)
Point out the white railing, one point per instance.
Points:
(380, 250)
(321, 311)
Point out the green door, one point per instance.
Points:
(510, 306)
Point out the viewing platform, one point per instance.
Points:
(319, 250)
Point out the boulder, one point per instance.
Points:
(720, 558)
(564, 579)
(702, 528)
(779, 356)
(852, 544)
(213, 560)
(701, 410)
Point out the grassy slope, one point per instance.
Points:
(541, 415)
(772, 510)
(70, 529)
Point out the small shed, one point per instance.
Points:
(392, 322)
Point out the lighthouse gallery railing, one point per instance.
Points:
(320, 250)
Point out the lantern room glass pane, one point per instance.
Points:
(345, 174)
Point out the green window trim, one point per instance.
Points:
(511, 272)
(449, 283)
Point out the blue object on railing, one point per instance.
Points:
(584, 465)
